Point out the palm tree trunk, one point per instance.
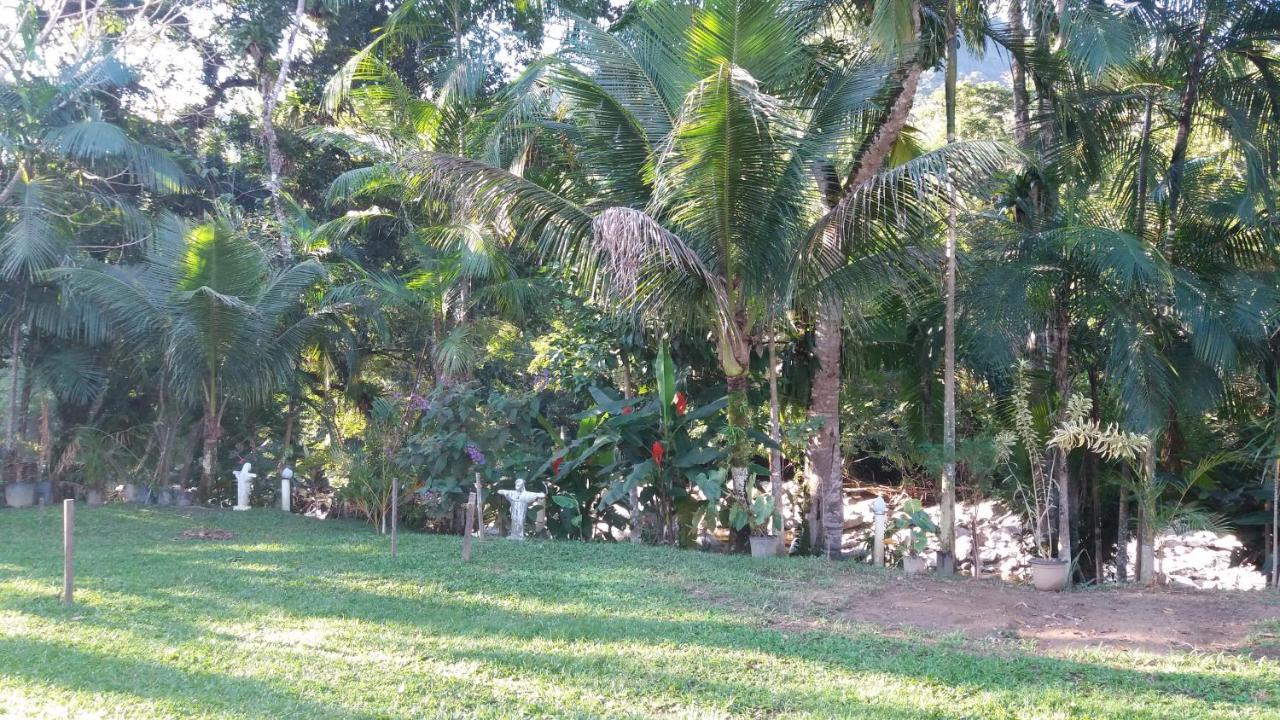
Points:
(947, 499)
(1018, 76)
(1146, 520)
(15, 369)
(734, 348)
(24, 417)
(1178, 157)
(1122, 537)
(823, 477)
(275, 161)
(1275, 528)
(1062, 475)
(775, 453)
(211, 432)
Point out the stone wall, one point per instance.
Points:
(1200, 560)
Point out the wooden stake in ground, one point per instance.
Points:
(395, 513)
(466, 527)
(479, 508)
(68, 550)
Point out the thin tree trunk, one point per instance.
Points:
(1178, 157)
(628, 385)
(1018, 76)
(1275, 528)
(1122, 537)
(24, 417)
(1062, 475)
(15, 369)
(287, 444)
(275, 161)
(775, 453)
(1146, 523)
(947, 500)
(1140, 189)
(1095, 485)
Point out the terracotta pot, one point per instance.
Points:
(764, 546)
(915, 564)
(94, 497)
(19, 494)
(1050, 574)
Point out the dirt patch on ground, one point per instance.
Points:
(206, 534)
(1150, 620)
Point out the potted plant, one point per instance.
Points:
(19, 494)
(1076, 430)
(758, 515)
(917, 523)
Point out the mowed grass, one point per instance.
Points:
(297, 618)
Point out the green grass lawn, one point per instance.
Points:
(312, 619)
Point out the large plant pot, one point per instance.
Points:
(915, 564)
(164, 497)
(764, 546)
(94, 497)
(135, 493)
(19, 494)
(1050, 574)
(182, 497)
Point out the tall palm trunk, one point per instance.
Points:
(1275, 527)
(15, 369)
(1178, 157)
(1062, 379)
(271, 93)
(211, 432)
(824, 473)
(947, 499)
(775, 453)
(1018, 75)
(1122, 536)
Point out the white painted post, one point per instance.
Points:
(879, 509)
(286, 489)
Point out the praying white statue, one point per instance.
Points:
(519, 499)
(244, 483)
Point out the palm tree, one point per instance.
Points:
(687, 186)
(228, 327)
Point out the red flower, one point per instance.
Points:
(658, 452)
(682, 403)
(628, 410)
(555, 465)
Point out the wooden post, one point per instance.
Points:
(395, 513)
(466, 527)
(68, 550)
(479, 507)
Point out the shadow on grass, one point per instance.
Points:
(555, 592)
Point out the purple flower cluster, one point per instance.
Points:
(474, 453)
(421, 403)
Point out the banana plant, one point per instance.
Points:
(655, 443)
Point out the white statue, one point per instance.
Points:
(244, 483)
(519, 499)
